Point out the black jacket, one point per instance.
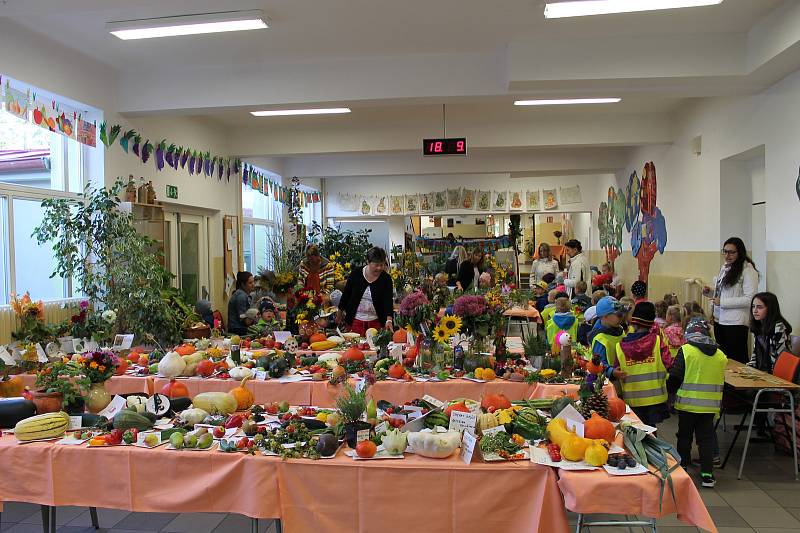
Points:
(466, 274)
(382, 295)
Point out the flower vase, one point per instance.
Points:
(424, 359)
(97, 398)
(477, 352)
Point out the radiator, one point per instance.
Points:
(53, 314)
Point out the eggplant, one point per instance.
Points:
(220, 168)
(91, 420)
(12, 410)
(169, 155)
(137, 140)
(208, 165)
(179, 404)
(147, 149)
(228, 170)
(246, 175)
(184, 157)
(199, 168)
(160, 156)
(310, 423)
(192, 160)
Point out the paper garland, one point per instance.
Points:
(426, 203)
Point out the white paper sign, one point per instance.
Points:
(75, 422)
(40, 354)
(492, 431)
(281, 336)
(361, 384)
(460, 421)
(362, 434)
(6, 357)
(433, 401)
(261, 375)
(468, 441)
(122, 342)
(573, 419)
(398, 417)
(117, 404)
(408, 407)
(383, 427)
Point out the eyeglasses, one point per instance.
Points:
(729, 252)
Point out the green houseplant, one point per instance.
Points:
(97, 245)
(352, 405)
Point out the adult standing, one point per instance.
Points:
(367, 301)
(458, 256)
(734, 288)
(469, 271)
(579, 269)
(239, 304)
(315, 272)
(544, 264)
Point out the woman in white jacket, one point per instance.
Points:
(579, 269)
(545, 264)
(733, 292)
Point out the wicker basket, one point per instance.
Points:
(197, 333)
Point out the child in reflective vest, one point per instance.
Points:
(698, 378)
(643, 360)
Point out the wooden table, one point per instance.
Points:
(741, 380)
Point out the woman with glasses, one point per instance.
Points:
(732, 294)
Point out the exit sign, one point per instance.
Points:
(172, 192)
(455, 146)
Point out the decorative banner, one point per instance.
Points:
(16, 101)
(396, 205)
(571, 195)
(467, 199)
(87, 132)
(446, 245)
(550, 199)
(516, 201)
(453, 198)
(500, 200)
(440, 200)
(365, 206)
(532, 200)
(412, 204)
(484, 200)
(426, 203)
(381, 206)
(44, 115)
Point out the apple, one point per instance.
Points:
(219, 432)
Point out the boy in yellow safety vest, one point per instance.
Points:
(563, 320)
(643, 360)
(698, 376)
(606, 334)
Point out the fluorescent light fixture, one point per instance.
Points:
(290, 112)
(188, 25)
(585, 8)
(569, 101)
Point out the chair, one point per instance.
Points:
(785, 368)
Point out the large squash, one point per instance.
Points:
(244, 396)
(616, 409)
(495, 402)
(318, 337)
(11, 388)
(215, 402)
(598, 427)
(46, 426)
(352, 354)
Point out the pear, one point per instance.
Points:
(205, 441)
(190, 441)
(152, 440)
(176, 439)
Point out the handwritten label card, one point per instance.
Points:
(383, 427)
(75, 422)
(122, 342)
(362, 434)
(434, 402)
(492, 431)
(460, 421)
(6, 357)
(468, 442)
(117, 404)
(261, 375)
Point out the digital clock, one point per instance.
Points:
(455, 146)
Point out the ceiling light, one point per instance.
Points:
(289, 112)
(569, 101)
(188, 25)
(584, 8)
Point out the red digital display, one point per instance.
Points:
(455, 146)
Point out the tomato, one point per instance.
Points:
(243, 443)
(366, 449)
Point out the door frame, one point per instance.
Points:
(174, 217)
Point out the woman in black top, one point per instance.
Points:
(239, 304)
(367, 298)
(470, 271)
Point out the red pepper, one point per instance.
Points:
(234, 421)
(115, 437)
(243, 443)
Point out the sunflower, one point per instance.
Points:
(451, 324)
(440, 334)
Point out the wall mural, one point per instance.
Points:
(644, 220)
(610, 220)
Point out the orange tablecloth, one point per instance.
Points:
(328, 495)
(517, 312)
(547, 390)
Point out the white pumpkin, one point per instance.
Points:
(171, 365)
(130, 401)
(336, 339)
(350, 335)
(435, 445)
(330, 359)
(193, 416)
(240, 372)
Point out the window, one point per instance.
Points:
(262, 218)
(34, 164)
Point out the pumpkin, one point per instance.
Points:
(411, 353)
(495, 402)
(598, 427)
(596, 454)
(171, 365)
(488, 374)
(11, 388)
(460, 406)
(240, 372)
(616, 409)
(174, 389)
(594, 368)
(205, 368)
(397, 371)
(185, 349)
(574, 447)
(121, 367)
(400, 336)
(352, 354)
(317, 337)
(244, 396)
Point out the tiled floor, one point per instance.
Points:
(766, 499)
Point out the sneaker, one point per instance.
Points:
(707, 480)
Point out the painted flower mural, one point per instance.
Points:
(644, 220)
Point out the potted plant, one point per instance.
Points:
(96, 368)
(352, 405)
(535, 350)
(58, 387)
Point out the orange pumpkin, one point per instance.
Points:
(121, 367)
(185, 349)
(222, 365)
(616, 409)
(133, 357)
(598, 427)
(206, 367)
(400, 336)
(244, 396)
(174, 389)
(397, 371)
(594, 368)
(317, 337)
(498, 401)
(352, 354)
(11, 388)
(411, 353)
(460, 406)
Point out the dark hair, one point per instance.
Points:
(735, 272)
(242, 278)
(376, 255)
(476, 251)
(562, 294)
(774, 316)
(575, 244)
(549, 278)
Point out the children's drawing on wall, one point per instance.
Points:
(610, 220)
(644, 220)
